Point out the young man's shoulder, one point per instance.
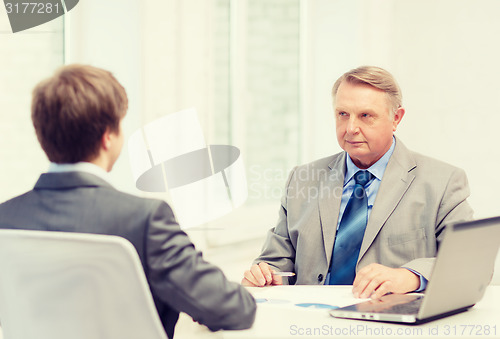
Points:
(132, 202)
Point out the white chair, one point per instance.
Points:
(57, 285)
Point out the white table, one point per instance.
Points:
(279, 317)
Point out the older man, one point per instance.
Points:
(372, 216)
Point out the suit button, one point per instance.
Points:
(320, 277)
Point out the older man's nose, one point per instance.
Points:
(352, 126)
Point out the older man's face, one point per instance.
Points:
(364, 122)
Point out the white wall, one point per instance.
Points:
(26, 58)
(444, 55)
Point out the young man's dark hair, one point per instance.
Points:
(72, 109)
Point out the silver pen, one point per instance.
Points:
(284, 274)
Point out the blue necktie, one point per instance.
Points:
(350, 233)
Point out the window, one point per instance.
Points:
(256, 99)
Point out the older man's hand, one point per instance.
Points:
(261, 275)
(375, 280)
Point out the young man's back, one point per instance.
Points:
(179, 278)
(77, 116)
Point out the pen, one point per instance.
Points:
(284, 274)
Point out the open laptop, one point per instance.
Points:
(461, 273)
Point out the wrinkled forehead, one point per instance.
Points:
(359, 91)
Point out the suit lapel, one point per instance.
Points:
(330, 190)
(396, 181)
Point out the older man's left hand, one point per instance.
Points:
(375, 280)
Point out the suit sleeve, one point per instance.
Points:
(453, 208)
(180, 277)
(278, 250)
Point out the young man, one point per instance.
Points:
(77, 116)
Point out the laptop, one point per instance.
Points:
(461, 273)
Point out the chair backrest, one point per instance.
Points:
(57, 285)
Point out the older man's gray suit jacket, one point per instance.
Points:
(417, 198)
(179, 278)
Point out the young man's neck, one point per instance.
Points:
(102, 162)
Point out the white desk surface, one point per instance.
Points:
(279, 317)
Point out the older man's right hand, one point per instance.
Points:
(261, 275)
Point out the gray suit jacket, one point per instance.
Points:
(179, 278)
(417, 198)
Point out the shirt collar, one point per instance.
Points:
(377, 169)
(86, 167)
